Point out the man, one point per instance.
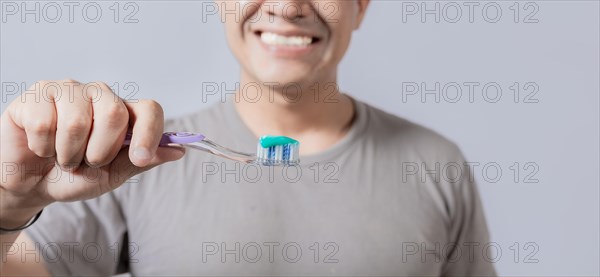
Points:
(369, 198)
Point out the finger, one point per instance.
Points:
(15, 153)
(37, 118)
(147, 119)
(73, 124)
(109, 127)
(28, 122)
(119, 170)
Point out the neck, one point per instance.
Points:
(318, 117)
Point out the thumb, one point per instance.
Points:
(122, 168)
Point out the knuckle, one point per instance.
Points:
(48, 89)
(77, 126)
(115, 115)
(94, 90)
(39, 84)
(102, 85)
(117, 110)
(152, 106)
(40, 127)
(36, 89)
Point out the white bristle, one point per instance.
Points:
(279, 152)
(262, 155)
(293, 152)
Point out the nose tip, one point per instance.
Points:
(290, 10)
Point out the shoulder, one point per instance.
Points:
(392, 132)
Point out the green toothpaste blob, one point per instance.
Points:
(268, 141)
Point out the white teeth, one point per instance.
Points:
(275, 39)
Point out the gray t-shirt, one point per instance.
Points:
(390, 198)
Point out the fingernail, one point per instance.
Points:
(142, 154)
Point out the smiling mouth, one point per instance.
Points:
(273, 39)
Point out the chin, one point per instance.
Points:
(287, 81)
(286, 76)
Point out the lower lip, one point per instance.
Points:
(288, 51)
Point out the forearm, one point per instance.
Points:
(13, 262)
(13, 245)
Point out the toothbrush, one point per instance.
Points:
(270, 151)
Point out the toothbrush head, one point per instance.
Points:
(273, 151)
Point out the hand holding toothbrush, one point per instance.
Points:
(57, 130)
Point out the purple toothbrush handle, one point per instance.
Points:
(173, 137)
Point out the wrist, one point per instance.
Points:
(14, 230)
(16, 212)
(16, 221)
